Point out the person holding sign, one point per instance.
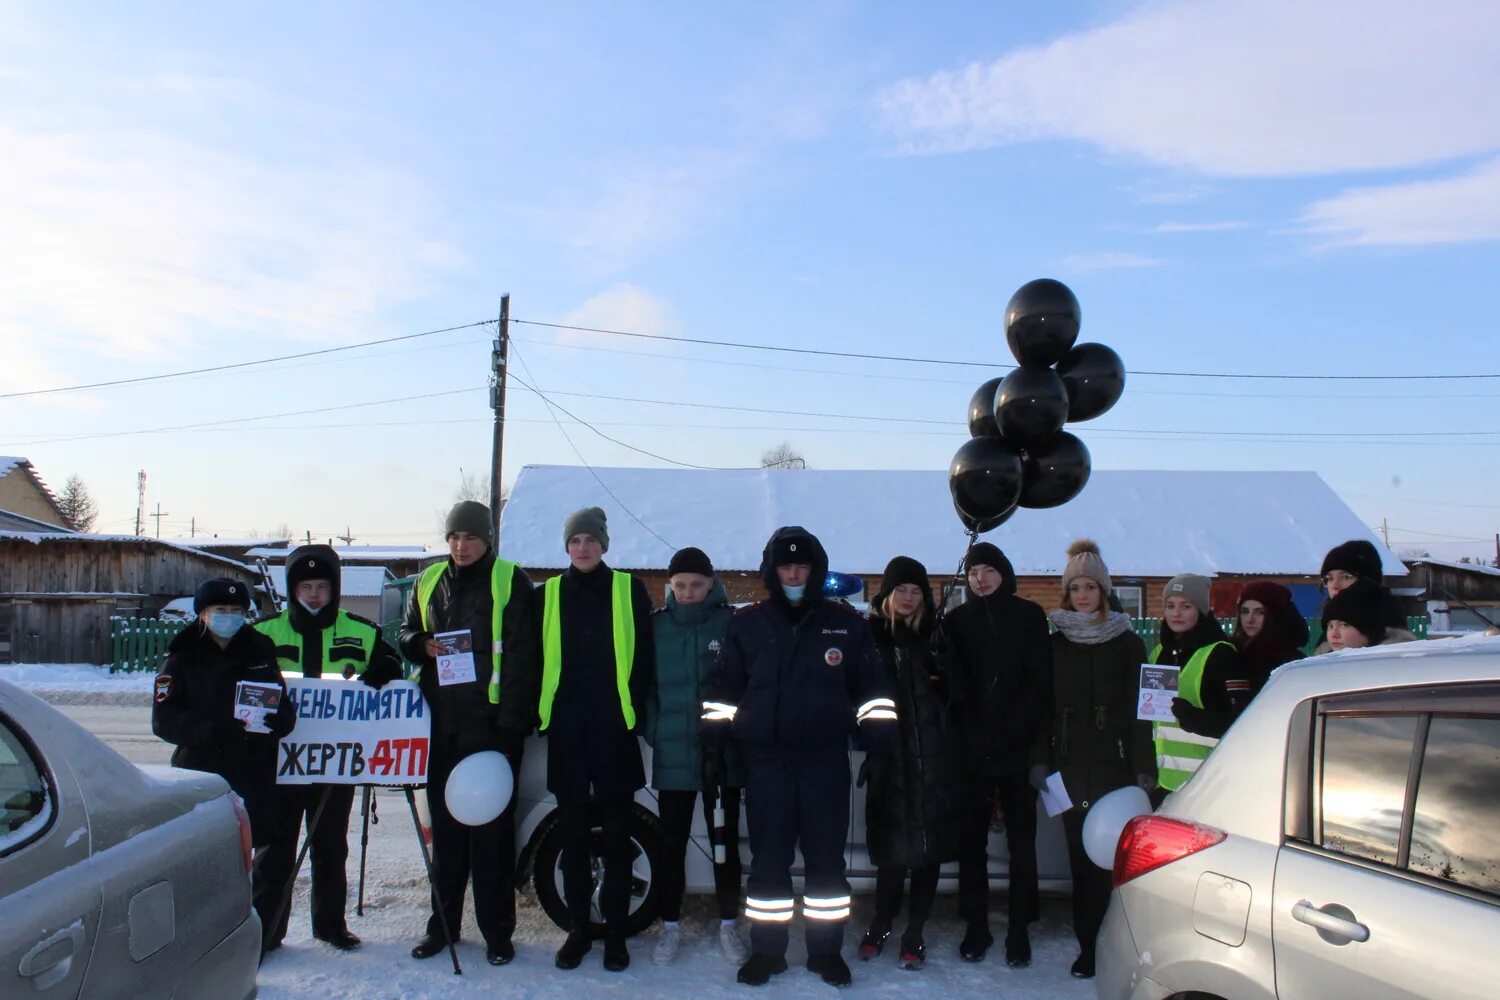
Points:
(598, 660)
(1213, 686)
(220, 677)
(469, 624)
(1094, 740)
(314, 637)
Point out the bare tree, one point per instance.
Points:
(471, 487)
(77, 505)
(783, 456)
(282, 530)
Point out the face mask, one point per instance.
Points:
(225, 624)
(310, 610)
(793, 594)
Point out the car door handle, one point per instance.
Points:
(51, 959)
(1334, 923)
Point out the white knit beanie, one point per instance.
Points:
(1083, 560)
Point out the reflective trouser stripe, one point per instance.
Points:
(878, 713)
(827, 908)
(777, 911)
(718, 711)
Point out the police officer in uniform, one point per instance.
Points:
(796, 675)
(599, 656)
(194, 708)
(314, 637)
(491, 706)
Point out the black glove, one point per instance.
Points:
(1189, 716)
(510, 741)
(1037, 776)
(874, 772)
(712, 770)
(373, 678)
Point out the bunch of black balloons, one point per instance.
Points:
(1018, 454)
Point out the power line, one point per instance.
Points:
(973, 364)
(242, 364)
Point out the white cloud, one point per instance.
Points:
(623, 307)
(1459, 209)
(133, 245)
(1234, 87)
(1224, 226)
(1108, 260)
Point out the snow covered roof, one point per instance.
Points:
(8, 462)
(230, 542)
(355, 553)
(358, 581)
(1147, 523)
(64, 535)
(1479, 568)
(11, 521)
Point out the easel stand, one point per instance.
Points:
(368, 815)
(411, 801)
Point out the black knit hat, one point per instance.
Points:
(690, 560)
(221, 590)
(903, 569)
(1356, 556)
(985, 554)
(471, 517)
(1361, 604)
(588, 521)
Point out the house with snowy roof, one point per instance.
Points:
(401, 560)
(1150, 525)
(23, 494)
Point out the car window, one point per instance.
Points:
(1366, 760)
(24, 802)
(1456, 826)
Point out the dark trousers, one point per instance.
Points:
(1091, 884)
(1018, 807)
(791, 800)
(292, 808)
(889, 881)
(578, 820)
(485, 855)
(676, 810)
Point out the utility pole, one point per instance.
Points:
(140, 500)
(309, 536)
(346, 537)
(1385, 532)
(193, 527)
(498, 356)
(1497, 549)
(158, 515)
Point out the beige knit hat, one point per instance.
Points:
(1083, 560)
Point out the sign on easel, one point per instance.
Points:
(348, 733)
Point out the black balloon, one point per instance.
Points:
(1094, 376)
(979, 525)
(985, 479)
(982, 411)
(1031, 405)
(1042, 321)
(1056, 472)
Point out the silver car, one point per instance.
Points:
(116, 881)
(1343, 840)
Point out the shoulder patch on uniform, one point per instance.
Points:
(833, 656)
(163, 687)
(347, 640)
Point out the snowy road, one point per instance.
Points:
(396, 910)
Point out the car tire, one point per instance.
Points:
(645, 891)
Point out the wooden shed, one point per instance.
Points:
(59, 590)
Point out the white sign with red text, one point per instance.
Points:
(348, 733)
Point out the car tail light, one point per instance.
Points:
(1148, 842)
(247, 847)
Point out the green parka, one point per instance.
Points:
(687, 643)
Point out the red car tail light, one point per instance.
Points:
(1148, 842)
(246, 845)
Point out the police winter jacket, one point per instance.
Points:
(1094, 738)
(1225, 688)
(462, 600)
(193, 708)
(687, 638)
(1002, 659)
(913, 817)
(798, 678)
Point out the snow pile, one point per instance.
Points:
(75, 677)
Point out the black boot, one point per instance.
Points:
(976, 942)
(616, 955)
(913, 950)
(577, 945)
(500, 951)
(874, 941)
(1083, 966)
(430, 945)
(341, 938)
(1017, 950)
(832, 968)
(759, 970)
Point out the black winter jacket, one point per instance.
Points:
(193, 708)
(1095, 739)
(797, 678)
(461, 600)
(1225, 689)
(913, 818)
(1002, 661)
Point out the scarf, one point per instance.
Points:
(1087, 629)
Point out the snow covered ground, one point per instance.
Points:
(79, 683)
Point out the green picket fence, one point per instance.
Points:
(138, 644)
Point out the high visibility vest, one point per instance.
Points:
(348, 641)
(501, 576)
(622, 620)
(1180, 753)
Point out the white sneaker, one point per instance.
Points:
(665, 952)
(732, 945)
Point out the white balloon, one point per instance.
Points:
(1106, 821)
(479, 788)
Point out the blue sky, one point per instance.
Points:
(1228, 187)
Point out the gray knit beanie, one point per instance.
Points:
(589, 521)
(1193, 587)
(472, 517)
